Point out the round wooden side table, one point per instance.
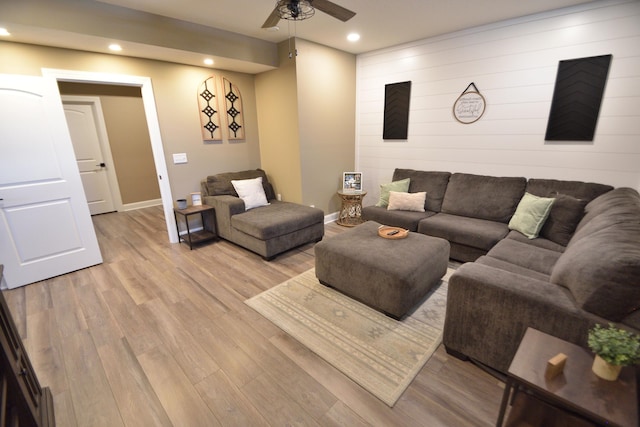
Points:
(351, 210)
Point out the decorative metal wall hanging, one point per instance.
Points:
(209, 115)
(577, 97)
(469, 106)
(396, 110)
(235, 116)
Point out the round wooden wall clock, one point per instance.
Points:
(469, 106)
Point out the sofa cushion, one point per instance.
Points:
(523, 254)
(251, 192)
(406, 201)
(402, 186)
(563, 219)
(483, 197)
(474, 232)
(602, 270)
(513, 268)
(220, 184)
(405, 219)
(433, 183)
(530, 215)
(276, 219)
(540, 242)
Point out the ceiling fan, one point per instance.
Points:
(298, 10)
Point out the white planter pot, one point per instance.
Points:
(605, 370)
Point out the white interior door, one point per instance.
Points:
(45, 225)
(88, 135)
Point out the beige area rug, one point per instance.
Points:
(381, 354)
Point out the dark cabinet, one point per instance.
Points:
(22, 401)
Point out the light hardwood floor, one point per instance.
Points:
(158, 335)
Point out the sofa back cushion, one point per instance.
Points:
(602, 271)
(220, 184)
(615, 205)
(484, 197)
(601, 266)
(566, 212)
(586, 191)
(433, 183)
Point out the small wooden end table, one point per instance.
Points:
(577, 390)
(207, 216)
(351, 210)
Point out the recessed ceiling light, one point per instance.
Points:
(208, 61)
(273, 29)
(4, 32)
(353, 37)
(115, 47)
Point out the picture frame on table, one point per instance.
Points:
(196, 199)
(351, 182)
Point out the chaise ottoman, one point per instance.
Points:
(389, 275)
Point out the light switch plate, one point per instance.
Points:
(179, 158)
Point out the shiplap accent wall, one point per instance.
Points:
(513, 63)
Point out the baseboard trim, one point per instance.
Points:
(140, 205)
(331, 218)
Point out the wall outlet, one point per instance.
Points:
(179, 158)
(279, 197)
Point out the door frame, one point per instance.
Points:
(103, 138)
(151, 114)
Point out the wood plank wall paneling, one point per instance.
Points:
(514, 64)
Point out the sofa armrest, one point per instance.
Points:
(488, 311)
(226, 206)
(203, 188)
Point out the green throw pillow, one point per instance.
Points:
(401, 186)
(531, 213)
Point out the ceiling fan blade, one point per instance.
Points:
(272, 20)
(333, 9)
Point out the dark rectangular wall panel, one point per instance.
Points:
(577, 98)
(396, 110)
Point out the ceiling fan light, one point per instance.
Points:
(295, 10)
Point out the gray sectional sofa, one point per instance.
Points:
(582, 269)
(266, 230)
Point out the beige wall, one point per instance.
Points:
(307, 128)
(174, 88)
(276, 92)
(326, 117)
(128, 134)
(306, 117)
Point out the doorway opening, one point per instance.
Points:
(151, 115)
(111, 142)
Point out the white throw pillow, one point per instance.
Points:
(399, 201)
(251, 192)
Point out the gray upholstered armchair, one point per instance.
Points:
(267, 230)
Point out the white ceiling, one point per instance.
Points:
(380, 23)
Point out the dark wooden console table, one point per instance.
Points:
(22, 401)
(577, 397)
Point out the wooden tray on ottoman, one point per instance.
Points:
(384, 230)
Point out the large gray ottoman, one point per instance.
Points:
(388, 275)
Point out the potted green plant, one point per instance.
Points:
(614, 348)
